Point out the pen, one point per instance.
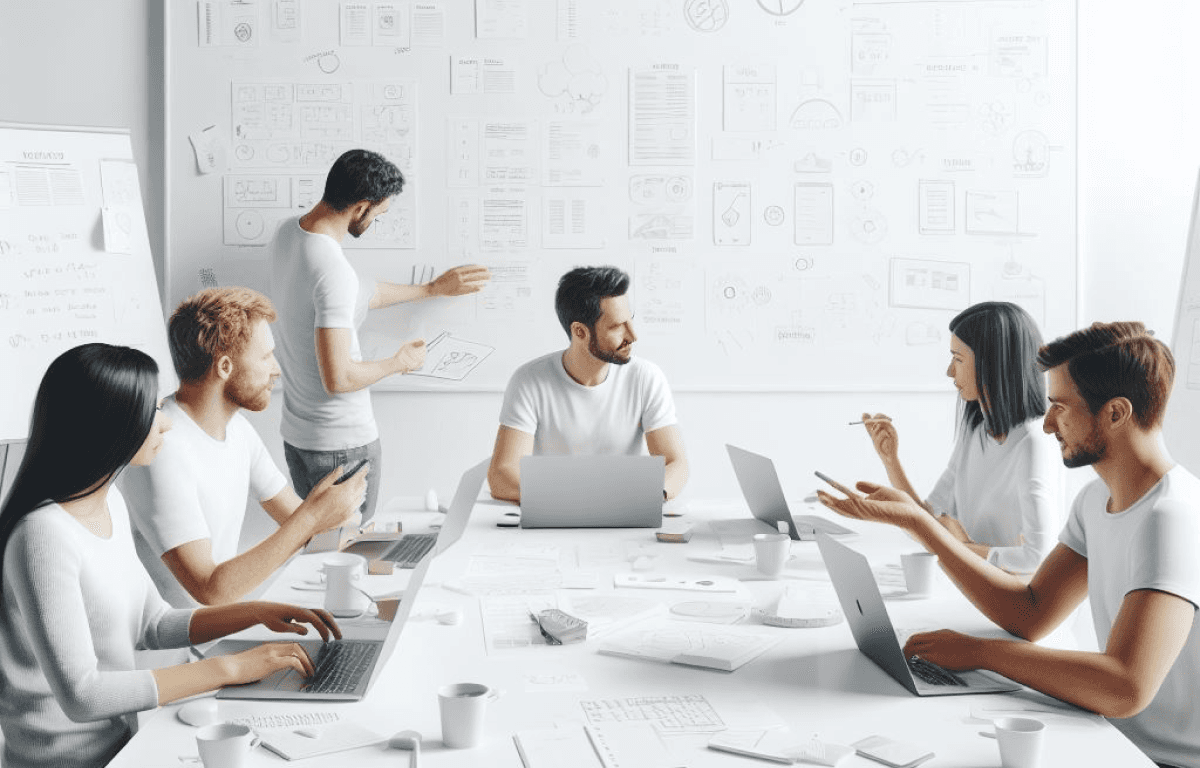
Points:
(867, 421)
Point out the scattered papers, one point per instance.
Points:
(669, 714)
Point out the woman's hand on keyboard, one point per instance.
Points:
(257, 663)
(947, 648)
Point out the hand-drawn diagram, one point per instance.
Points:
(873, 101)
(575, 82)
(935, 207)
(749, 98)
(774, 215)
(812, 214)
(929, 284)
(662, 115)
(663, 208)
(706, 15)
(451, 358)
(1031, 154)
(780, 7)
(992, 212)
(731, 213)
(816, 114)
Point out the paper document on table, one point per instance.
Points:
(669, 714)
(566, 744)
(632, 745)
(696, 645)
(510, 573)
(607, 613)
(507, 622)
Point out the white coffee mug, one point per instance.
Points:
(918, 572)
(1020, 740)
(463, 706)
(342, 597)
(771, 552)
(225, 745)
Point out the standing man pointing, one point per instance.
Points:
(327, 415)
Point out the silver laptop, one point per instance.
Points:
(409, 549)
(345, 669)
(764, 495)
(873, 632)
(592, 491)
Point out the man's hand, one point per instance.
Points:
(947, 648)
(328, 505)
(881, 505)
(458, 281)
(410, 356)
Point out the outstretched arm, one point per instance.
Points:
(886, 441)
(1026, 610)
(1146, 638)
(668, 443)
(504, 473)
(458, 281)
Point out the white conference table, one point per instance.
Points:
(813, 681)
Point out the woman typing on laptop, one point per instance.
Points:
(999, 493)
(76, 601)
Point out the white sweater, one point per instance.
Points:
(74, 608)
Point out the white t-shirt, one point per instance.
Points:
(567, 418)
(313, 286)
(1006, 495)
(75, 607)
(195, 489)
(1150, 545)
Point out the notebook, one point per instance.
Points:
(694, 645)
(862, 603)
(592, 491)
(764, 495)
(347, 668)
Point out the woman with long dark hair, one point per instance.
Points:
(999, 494)
(75, 600)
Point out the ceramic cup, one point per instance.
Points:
(771, 552)
(463, 706)
(1020, 740)
(342, 597)
(918, 572)
(225, 745)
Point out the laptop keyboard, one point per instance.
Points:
(410, 548)
(340, 666)
(932, 673)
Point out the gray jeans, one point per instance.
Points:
(308, 467)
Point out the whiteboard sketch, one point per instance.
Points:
(451, 358)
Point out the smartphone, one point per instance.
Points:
(834, 483)
(347, 475)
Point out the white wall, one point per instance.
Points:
(97, 64)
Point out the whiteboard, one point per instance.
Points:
(75, 263)
(1179, 429)
(804, 192)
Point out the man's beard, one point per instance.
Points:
(614, 356)
(1092, 450)
(238, 392)
(359, 226)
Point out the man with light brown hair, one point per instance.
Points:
(1129, 546)
(188, 506)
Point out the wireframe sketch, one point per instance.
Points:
(780, 7)
(731, 213)
(706, 15)
(576, 82)
(929, 284)
(449, 357)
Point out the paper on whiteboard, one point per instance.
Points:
(449, 357)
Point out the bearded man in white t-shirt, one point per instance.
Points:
(1129, 545)
(593, 398)
(327, 415)
(187, 508)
